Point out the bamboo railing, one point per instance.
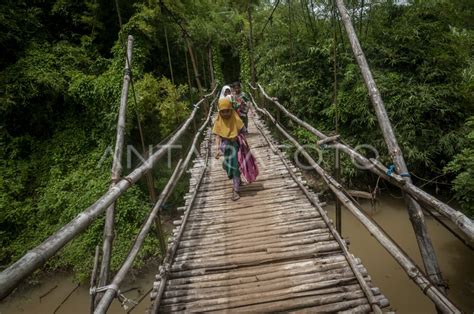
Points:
(33, 259)
(417, 219)
(463, 223)
(349, 257)
(113, 288)
(413, 272)
(171, 252)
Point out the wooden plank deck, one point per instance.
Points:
(270, 251)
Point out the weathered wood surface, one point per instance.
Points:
(270, 251)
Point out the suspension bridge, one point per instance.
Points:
(274, 250)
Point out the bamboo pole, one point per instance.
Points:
(116, 169)
(336, 233)
(188, 75)
(33, 259)
(414, 210)
(169, 54)
(127, 264)
(465, 225)
(438, 297)
(93, 277)
(197, 76)
(337, 155)
(203, 63)
(174, 246)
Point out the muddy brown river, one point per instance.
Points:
(457, 265)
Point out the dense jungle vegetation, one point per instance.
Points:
(61, 71)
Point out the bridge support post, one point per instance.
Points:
(337, 175)
(109, 232)
(416, 215)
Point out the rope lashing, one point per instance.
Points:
(390, 170)
(95, 290)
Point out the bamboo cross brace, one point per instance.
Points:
(415, 213)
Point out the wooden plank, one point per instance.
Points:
(255, 247)
(264, 272)
(257, 258)
(269, 248)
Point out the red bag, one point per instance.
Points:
(247, 162)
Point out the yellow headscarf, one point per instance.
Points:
(230, 127)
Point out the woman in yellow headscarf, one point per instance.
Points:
(226, 128)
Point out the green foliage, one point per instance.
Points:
(162, 98)
(217, 61)
(421, 58)
(60, 100)
(244, 63)
(463, 166)
(61, 72)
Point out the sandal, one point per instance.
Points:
(235, 195)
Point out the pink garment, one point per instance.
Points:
(247, 163)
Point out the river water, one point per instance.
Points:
(457, 265)
(456, 261)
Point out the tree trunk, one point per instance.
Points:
(211, 66)
(197, 76)
(169, 55)
(188, 75)
(251, 49)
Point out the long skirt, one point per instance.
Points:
(230, 150)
